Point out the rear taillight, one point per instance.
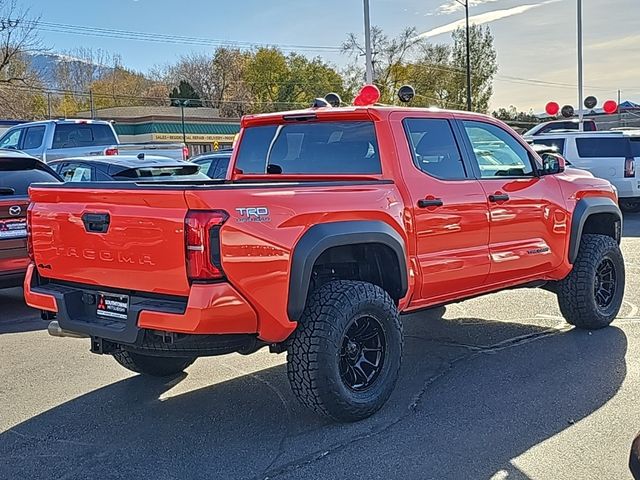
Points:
(185, 153)
(629, 167)
(202, 243)
(111, 151)
(30, 232)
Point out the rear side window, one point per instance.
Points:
(20, 178)
(186, 172)
(221, 168)
(552, 142)
(71, 135)
(33, 138)
(314, 148)
(604, 147)
(76, 172)
(434, 148)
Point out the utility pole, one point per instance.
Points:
(91, 107)
(465, 4)
(49, 105)
(619, 112)
(580, 70)
(367, 46)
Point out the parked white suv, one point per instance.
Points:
(611, 155)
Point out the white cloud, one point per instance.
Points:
(453, 6)
(484, 18)
(623, 43)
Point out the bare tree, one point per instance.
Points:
(18, 38)
(217, 78)
(77, 69)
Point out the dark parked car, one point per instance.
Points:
(125, 168)
(17, 172)
(214, 165)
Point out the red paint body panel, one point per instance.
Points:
(34, 299)
(211, 309)
(466, 247)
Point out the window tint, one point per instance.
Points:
(221, 168)
(11, 139)
(310, 148)
(552, 142)
(205, 166)
(33, 138)
(497, 152)
(20, 178)
(76, 172)
(434, 148)
(70, 135)
(603, 147)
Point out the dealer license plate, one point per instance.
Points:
(112, 306)
(13, 228)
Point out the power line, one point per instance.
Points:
(168, 38)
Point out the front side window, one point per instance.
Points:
(497, 152)
(315, 148)
(434, 148)
(11, 139)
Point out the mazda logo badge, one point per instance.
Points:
(15, 210)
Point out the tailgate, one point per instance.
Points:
(126, 239)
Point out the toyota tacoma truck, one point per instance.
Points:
(332, 222)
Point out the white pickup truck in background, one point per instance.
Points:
(56, 139)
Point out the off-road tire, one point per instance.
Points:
(152, 365)
(630, 206)
(314, 354)
(576, 293)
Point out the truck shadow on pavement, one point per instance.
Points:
(15, 316)
(473, 395)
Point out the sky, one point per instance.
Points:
(535, 39)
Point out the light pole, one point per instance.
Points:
(367, 44)
(465, 4)
(182, 103)
(580, 70)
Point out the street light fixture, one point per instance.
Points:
(465, 4)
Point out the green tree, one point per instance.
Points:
(437, 71)
(184, 91)
(484, 66)
(279, 82)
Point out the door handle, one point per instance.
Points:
(429, 203)
(498, 197)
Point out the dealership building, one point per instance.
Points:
(203, 130)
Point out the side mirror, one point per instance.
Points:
(552, 164)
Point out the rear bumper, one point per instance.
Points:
(210, 309)
(13, 265)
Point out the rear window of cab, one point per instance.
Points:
(313, 148)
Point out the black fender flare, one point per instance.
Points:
(584, 209)
(321, 237)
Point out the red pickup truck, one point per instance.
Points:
(333, 222)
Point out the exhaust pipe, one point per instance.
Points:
(55, 331)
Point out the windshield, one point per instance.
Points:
(318, 148)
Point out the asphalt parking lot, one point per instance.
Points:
(497, 387)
